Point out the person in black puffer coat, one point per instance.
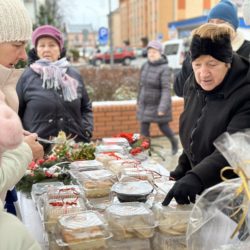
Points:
(216, 100)
(52, 95)
(224, 12)
(154, 97)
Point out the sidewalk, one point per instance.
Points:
(163, 146)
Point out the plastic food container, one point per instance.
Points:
(115, 141)
(107, 157)
(53, 208)
(137, 173)
(117, 166)
(132, 191)
(61, 192)
(163, 242)
(97, 183)
(98, 204)
(109, 148)
(172, 219)
(85, 230)
(130, 220)
(86, 165)
(129, 244)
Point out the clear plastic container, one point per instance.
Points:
(109, 148)
(129, 244)
(172, 219)
(130, 220)
(132, 191)
(164, 184)
(53, 208)
(116, 166)
(85, 230)
(37, 194)
(97, 183)
(163, 242)
(61, 192)
(115, 141)
(86, 165)
(137, 173)
(98, 204)
(107, 157)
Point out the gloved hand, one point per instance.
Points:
(184, 190)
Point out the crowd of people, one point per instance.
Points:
(50, 96)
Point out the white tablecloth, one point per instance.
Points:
(31, 219)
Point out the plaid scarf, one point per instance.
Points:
(54, 77)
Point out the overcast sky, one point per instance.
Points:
(88, 11)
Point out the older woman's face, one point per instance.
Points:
(209, 72)
(11, 53)
(153, 54)
(48, 48)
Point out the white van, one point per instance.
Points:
(175, 51)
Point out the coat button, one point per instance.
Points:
(61, 119)
(50, 120)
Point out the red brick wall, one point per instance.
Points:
(111, 118)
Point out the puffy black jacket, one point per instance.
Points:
(207, 115)
(44, 111)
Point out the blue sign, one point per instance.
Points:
(103, 35)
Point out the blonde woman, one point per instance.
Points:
(217, 99)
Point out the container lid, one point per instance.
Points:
(98, 174)
(132, 188)
(81, 220)
(40, 188)
(115, 140)
(128, 209)
(109, 148)
(86, 165)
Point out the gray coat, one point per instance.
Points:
(154, 92)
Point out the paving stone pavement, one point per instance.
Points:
(163, 146)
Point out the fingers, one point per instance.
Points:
(168, 198)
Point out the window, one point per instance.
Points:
(171, 49)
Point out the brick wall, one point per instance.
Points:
(111, 118)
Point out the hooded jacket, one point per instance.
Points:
(206, 116)
(44, 111)
(154, 92)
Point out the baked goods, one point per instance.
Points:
(85, 230)
(116, 166)
(172, 219)
(53, 208)
(163, 242)
(130, 220)
(86, 165)
(97, 183)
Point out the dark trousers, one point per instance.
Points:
(164, 127)
(11, 197)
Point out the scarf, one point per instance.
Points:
(54, 77)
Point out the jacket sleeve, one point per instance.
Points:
(86, 110)
(209, 168)
(182, 168)
(165, 101)
(20, 94)
(182, 76)
(13, 166)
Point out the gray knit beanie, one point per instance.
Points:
(15, 22)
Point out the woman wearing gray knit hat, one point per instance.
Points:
(52, 95)
(15, 31)
(217, 100)
(223, 12)
(154, 97)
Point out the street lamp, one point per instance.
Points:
(110, 37)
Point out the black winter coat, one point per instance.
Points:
(45, 112)
(186, 69)
(206, 116)
(154, 92)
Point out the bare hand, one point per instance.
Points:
(35, 146)
(161, 113)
